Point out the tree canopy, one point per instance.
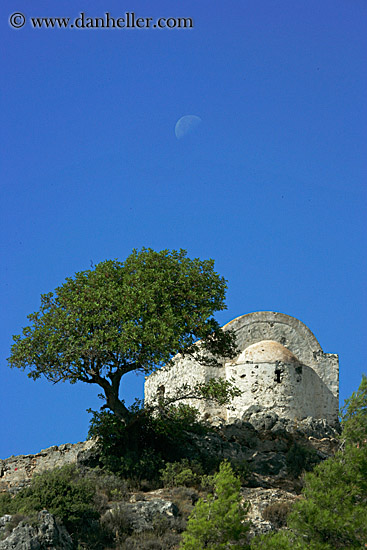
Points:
(218, 523)
(126, 316)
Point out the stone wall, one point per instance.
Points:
(298, 392)
(307, 387)
(291, 333)
(166, 382)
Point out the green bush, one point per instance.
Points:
(301, 459)
(149, 540)
(62, 493)
(218, 523)
(207, 483)
(354, 416)
(66, 493)
(241, 468)
(5, 504)
(139, 451)
(108, 485)
(119, 522)
(180, 473)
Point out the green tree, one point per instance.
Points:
(354, 416)
(128, 316)
(332, 513)
(218, 523)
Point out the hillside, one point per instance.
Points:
(269, 453)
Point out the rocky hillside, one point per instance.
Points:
(271, 455)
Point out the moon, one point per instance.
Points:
(186, 125)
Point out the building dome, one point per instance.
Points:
(267, 351)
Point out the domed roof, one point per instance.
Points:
(267, 351)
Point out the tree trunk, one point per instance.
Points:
(111, 391)
(117, 407)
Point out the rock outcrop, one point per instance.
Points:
(47, 534)
(268, 451)
(275, 450)
(16, 471)
(141, 514)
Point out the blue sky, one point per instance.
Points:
(272, 184)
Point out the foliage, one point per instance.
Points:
(332, 513)
(300, 459)
(129, 451)
(217, 524)
(64, 493)
(120, 522)
(140, 450)
(127, 316)
(180, 473)
(241, 468)
(354, 416)
(108, 486)
(282, 540)
(5, 504)
(150, 540)
(277, 513)
(334, 510)
(60, 492)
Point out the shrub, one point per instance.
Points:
(218, 522)
(109, 485)
(180, 473)
(354, 416)
(139, 451)
(119, 522)
(148, 540)
(300, 459)
(62, 493)
(184, 498)
(5, 504)
(241, 468)
(277, 513)
(67, 494)
(207, 483)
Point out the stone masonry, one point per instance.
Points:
(280, 368)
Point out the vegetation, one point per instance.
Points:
(128, 316)
(354, 417)
(141, 450)
(329, 515)
(277, 513)
(136, 316)
(218, 522)
(332, 513)
(176, 474)
(67, 494)
(301, 459)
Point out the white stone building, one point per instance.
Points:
(281, 368)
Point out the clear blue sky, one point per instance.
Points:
(272, 184)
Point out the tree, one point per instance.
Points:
(127, 316)
(354, 416)
(218, 523)
(332, 513)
